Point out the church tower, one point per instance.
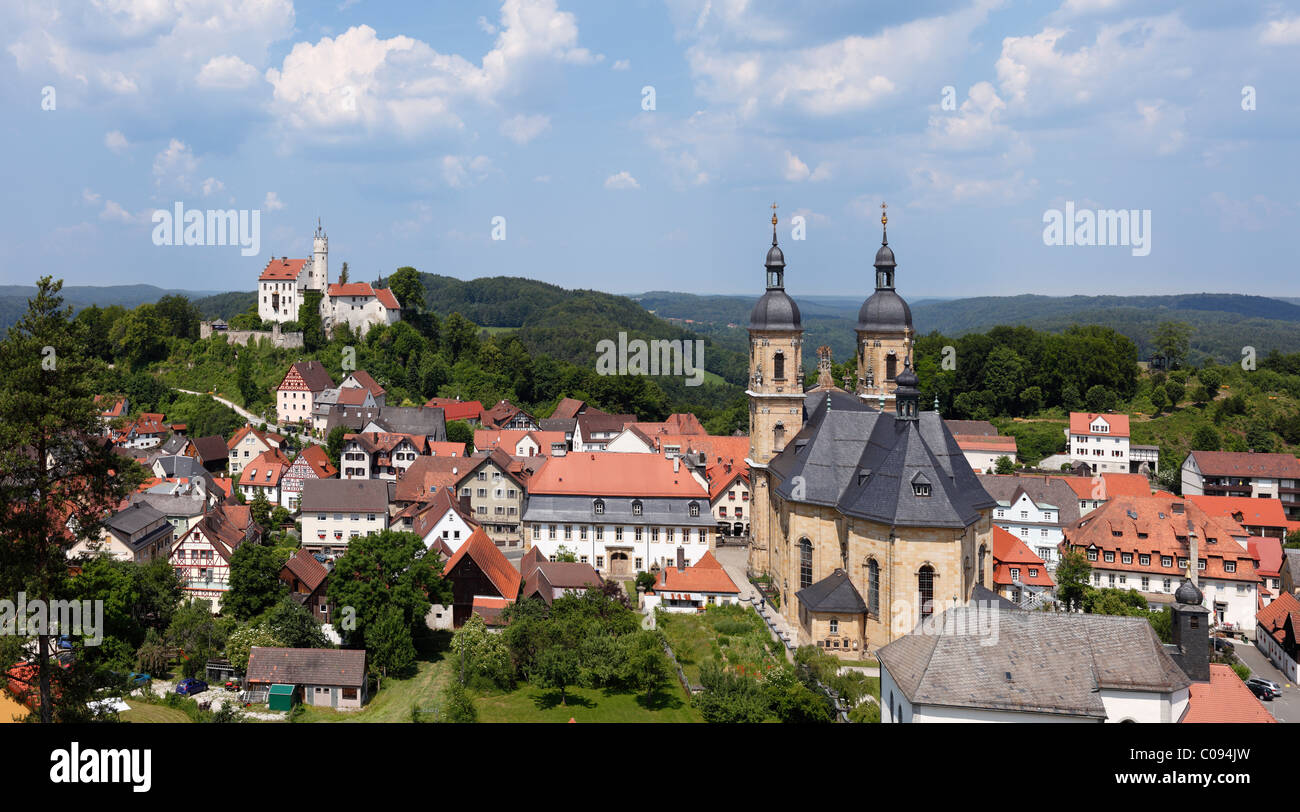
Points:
(320, 273)
(884, 330)
(775, 391)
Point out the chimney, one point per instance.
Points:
(1194, 562)
(677, 464)
(681, 559)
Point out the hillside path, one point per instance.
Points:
(244, 413)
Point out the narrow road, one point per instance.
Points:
(244, 413)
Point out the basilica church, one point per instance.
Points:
(865, 514)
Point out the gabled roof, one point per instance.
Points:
(307, 666)
(1040, 662)
(705, 575)
(265, 437)
(1081, 423)
(490, 560)
(428, 476)
(1008, 552)
(431, 512)
(1244, 509)
(429, 422)
(500, 414)
(265, 470)
(1273, 618)
(987, 442)
(306, 569)
(211, 448)
(568, 408)
(454, 409)
(1041, 490)
(834, 593)
(614, 474)
(1224, 699)
(1268, 552)
(1247, 464)
(282, 269)
(981, 428)
(547, 576)
(316, 457)
(367, 382)
(345, 495)
(313, 375)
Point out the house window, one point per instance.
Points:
(1092, 555)
(695, 508)
(1166, 561)
(636, 507)
(637, 563)
(1146, 583)
(1109, 556)
(1127, 558)
(1229, 566)
(598, 506)
(636, 532)
(1144, 560)
(551, 530)
(1015, 573)
(618, 533)
(921, 488)
(805, 564)
(1168, 584)
(835, 625)
(582, 534)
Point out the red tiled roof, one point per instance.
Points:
(370, 384)
(614, 474)
(1244, 510)
(509, 439)
(353, 396)
(427, 514)
(264, 470)
(319, 461)
(453, 409)
(483, 552)
(706, 575)
(1110, 485)
(1224, 699)
(446, 449)
(1247, 464)
(1080, 423)
(1166, 534)
(986, 442)
(1268, 554)
(306, 569)
(428, 475)
(567, 408)
(1272, 618)
(313, 375)
(282, 270)
(1008, 552)
(387, 299)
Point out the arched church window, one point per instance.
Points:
(983, 553)
(805, 564)
(873, 587)
(925, 586)
(778, 366)
(891, 366)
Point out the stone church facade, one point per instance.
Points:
(865, 513)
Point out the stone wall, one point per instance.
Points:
(277, 337)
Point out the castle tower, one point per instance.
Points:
(884, 330)
(320, 273)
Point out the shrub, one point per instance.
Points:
(1242, 670)
(866, 713)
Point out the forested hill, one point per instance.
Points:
(1222, 323)
(567, 324)
(13, 298)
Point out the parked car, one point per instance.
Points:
(1264, 688)
(1223, 644)
(191, 686)
(135, 680)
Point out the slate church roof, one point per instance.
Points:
(866, 464)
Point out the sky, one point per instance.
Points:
(639, 145)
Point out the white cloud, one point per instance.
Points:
(1282, 32)
(226, 73)
(621, 180)
(621, 64)
(174, 166)
(272, 202)
(974, 124)
(1163, 125)
(89, 196)
(211, 186)
(114, 212)
(461, 171)
(402, 85)
(796, 170)
(115, 141)
(522, 128)
(485, 26)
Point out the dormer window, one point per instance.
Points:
(695, 508)
(598, 506)
(921, 488)
(636, 507)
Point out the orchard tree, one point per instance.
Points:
(255, 584)
(1072, 576)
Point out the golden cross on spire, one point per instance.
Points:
(884, 218)
(774, 220)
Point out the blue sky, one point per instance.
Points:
(408, 127)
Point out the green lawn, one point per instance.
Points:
(396, 697)
(529, 704)
(145, 712)
(733, 634)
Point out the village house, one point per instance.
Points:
(982, 451)
(1101, 441)
(263, 475)
(548, 580)
(282, 285)
(1260, 517)
(360, 306)
(1268, 555)
(201, 558)
(416, 421)
(297, 391)
(1017, 572)
(1277, 634)
(496, 495)
(247, 443)
(379, 455)
(325, 678)
(505, 415)
(1147, 543)
(1034, 509)
(442, 521)
(428, 476)
(183, 506)
(519, 443)
(1244, 473)
(138, 533)
(595, 430)
(311, 463)
(335, 511)
(483, 581)
(679, 588)
(307, 581)
(621, 513)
